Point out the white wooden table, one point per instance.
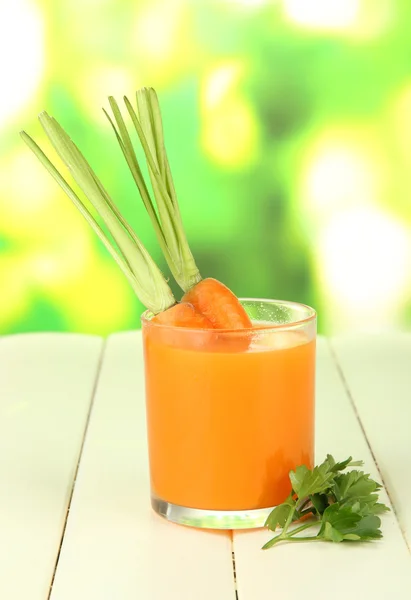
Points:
(75, 519)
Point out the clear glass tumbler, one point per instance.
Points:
(229, 413)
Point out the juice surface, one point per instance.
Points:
(226, 426)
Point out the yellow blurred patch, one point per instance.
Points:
(100, 301)
(34, 211)
(98, 82)
(230, 133)
(55, 267)
(55, 255)
(162, 41)
(400, 121)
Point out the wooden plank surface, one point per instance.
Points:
(374, 571)
(46, 386)
(115, 547)
(377, 373)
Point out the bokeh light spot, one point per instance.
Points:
(342, 167)
(220, 83)
(362, 19)
(322, 14)
(25, 181)
(96, 84)
(21, 49)
(230, 133)
(162, 41)
(230, 136)
(156, 28)
(55, 267)
(365, 260)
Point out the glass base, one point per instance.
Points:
(210, 519)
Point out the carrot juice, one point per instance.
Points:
(229, 414)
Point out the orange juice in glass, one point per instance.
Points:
(229, 414)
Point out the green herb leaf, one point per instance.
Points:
(330, 534)
(368, 528)
(341, 518)
(320, 502)
(340, 466)
(349, 525)
(344, 505)
(378, 508)
(279, 516)
(366, 505)
(306, 482)
(355, 484)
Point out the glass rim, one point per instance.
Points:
(310, 316)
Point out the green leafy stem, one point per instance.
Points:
(343, 506)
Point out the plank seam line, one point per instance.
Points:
(357, 415)
(90, 410)
(233, 564)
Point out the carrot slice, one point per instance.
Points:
(183, 315)
(218, 304)
(185, 328)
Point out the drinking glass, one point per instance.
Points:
(229, 414)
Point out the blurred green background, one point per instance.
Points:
(288, 128)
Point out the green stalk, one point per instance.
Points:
(165, 213)
(126, 146)
(135, 262)
(284, 536)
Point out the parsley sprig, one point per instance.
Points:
(343, 505)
